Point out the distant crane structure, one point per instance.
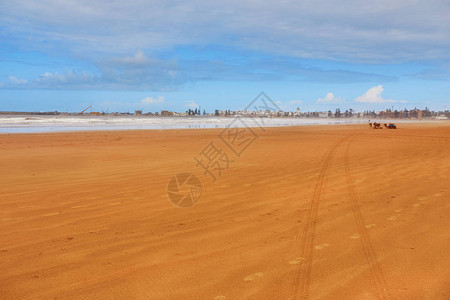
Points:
(85, 109)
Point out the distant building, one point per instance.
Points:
(386, 114)
(166, 113)
(138, 112)
(419, 114)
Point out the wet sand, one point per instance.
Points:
(303, 212)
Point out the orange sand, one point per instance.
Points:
(341, 212)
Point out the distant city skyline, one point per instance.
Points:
(319, 56)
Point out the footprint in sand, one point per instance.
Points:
(398, 210)
(296, 261)
(27, 206)
(220, 297)
(392, 218)
(422, 198)
(253, 276)
(368, 296)
(355, 236)
(416, 204)
(357, 181)
(321, 246)
(80, 206)
(370, 225)
(438, 194)
(53, 214)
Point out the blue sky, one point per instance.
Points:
(153, 55)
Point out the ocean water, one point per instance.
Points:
(43, 123)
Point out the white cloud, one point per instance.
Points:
(16, 81)
(373, 95)
(119, 72)
(151, 100)
(191, 104)
(69, 80)
(142, 72)
(139, 58)
(329, 98)
(374, 30)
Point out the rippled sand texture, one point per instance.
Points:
(341, 212)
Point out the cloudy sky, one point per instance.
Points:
(153, 55)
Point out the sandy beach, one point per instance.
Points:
(319, 212)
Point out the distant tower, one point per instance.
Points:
(298, 111)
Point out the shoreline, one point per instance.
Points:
(57, 128)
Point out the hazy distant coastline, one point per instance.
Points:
(54, 123)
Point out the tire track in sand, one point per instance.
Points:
(302, 279)
(378, 278)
